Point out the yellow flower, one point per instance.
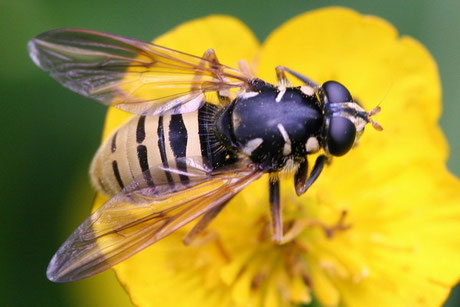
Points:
(401, 246)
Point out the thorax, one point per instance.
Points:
(272, 125)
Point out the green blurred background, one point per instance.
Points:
(49, 134)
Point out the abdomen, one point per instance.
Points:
(148, 141)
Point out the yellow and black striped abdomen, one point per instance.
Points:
(145, 142)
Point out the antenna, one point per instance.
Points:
(373, 112)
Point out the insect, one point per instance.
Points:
(202, 131)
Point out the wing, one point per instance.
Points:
(140, 216)
(132, 75)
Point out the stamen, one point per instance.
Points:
(340, 225)
(257, 280)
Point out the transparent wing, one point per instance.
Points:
(132, 75)
(140, 216)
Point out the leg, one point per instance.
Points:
(275, 208)
(210, 55)
(302, 185)
(301, 77)
(245, 69)
(281, 77)
(209, 58)
(202, 224)
(300, 177)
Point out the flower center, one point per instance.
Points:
(266, 267)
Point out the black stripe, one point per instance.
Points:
(140, 131)
(144, 164)
(113, 148)
(178, 143)
(162, 148)
(116, 172)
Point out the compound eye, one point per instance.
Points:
(336, 92)
(340, 136)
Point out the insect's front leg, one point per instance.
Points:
(301, 177)
(275, 208)
(302, 185)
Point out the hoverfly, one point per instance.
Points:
(183, 156)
